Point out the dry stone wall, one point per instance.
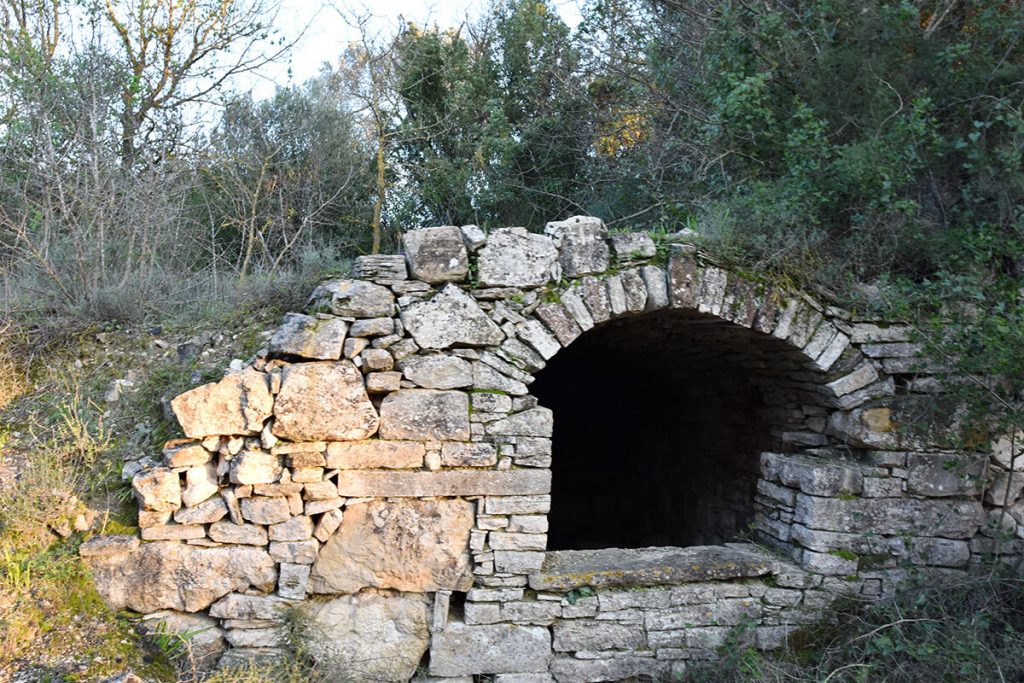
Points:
(383, 469)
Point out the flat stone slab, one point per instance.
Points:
(565, 570)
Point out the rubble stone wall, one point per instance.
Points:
(383, 468)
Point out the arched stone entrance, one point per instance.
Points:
(390, 454)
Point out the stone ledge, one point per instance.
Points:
(566, 570)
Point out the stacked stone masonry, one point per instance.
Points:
(383, 468)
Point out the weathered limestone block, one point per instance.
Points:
(381, 267)
(309, 337)
(560, 322)
(204, 636)
(372, 327)
(565, 570)
(473, 236)
(683, 280)
(383, 382)
(366, 455)
(323, 401)
(377, 360)
(263, 510)
(425, 414)
(572, 299)
(173, 532)
(185, 453)
(369, 483)
(515, 258)
(535, 334)
(582, 249)
(249, 607)
(461, 650)
(862, 376)
(946, 474)
(468, 454)
(438, 371)
(581, 634)
(634, 290)
(255, 467)
(293, 580)
(207, 512)
(533, 422)
(450, 318)
(295, 529)
(1005, 488)
(158, 489)
(354, 298)
(1008, 451)
(295, 552)
(817, 476)
(614, 669)
(368, 637)
(595, 296)
(865, 427)
(238, 404)
(200, 484)
(171, 575)
(944, 518)
(246, 534)
(486, 378)
(936, 552)
(436, 254)
(656, 283)
(417, 546)
(629, 246)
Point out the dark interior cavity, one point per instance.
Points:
(659, 423)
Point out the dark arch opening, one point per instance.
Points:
(659, 423)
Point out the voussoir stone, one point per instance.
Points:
(355, 298)
(171, 575)
(425, 414)
(450, 318)
(438, 371)
(582, 246)
(367, 636)
(514, 257)
(416, 545)
(323, 401)
(309, 337)
(238, 404)
(436, 254)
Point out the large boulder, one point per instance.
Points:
(323, 401)
(238, 404)
(451, 318)
(417, 546)
(514, 257)
(171, 575)
(368, 637)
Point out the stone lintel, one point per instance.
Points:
(566, 570)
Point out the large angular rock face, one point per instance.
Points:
(324, 402)
(238, 404)
(169, 575)
(415, 545)
(368, 637)
(451, 318)
(515, 258)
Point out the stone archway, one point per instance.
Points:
(387, 454)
